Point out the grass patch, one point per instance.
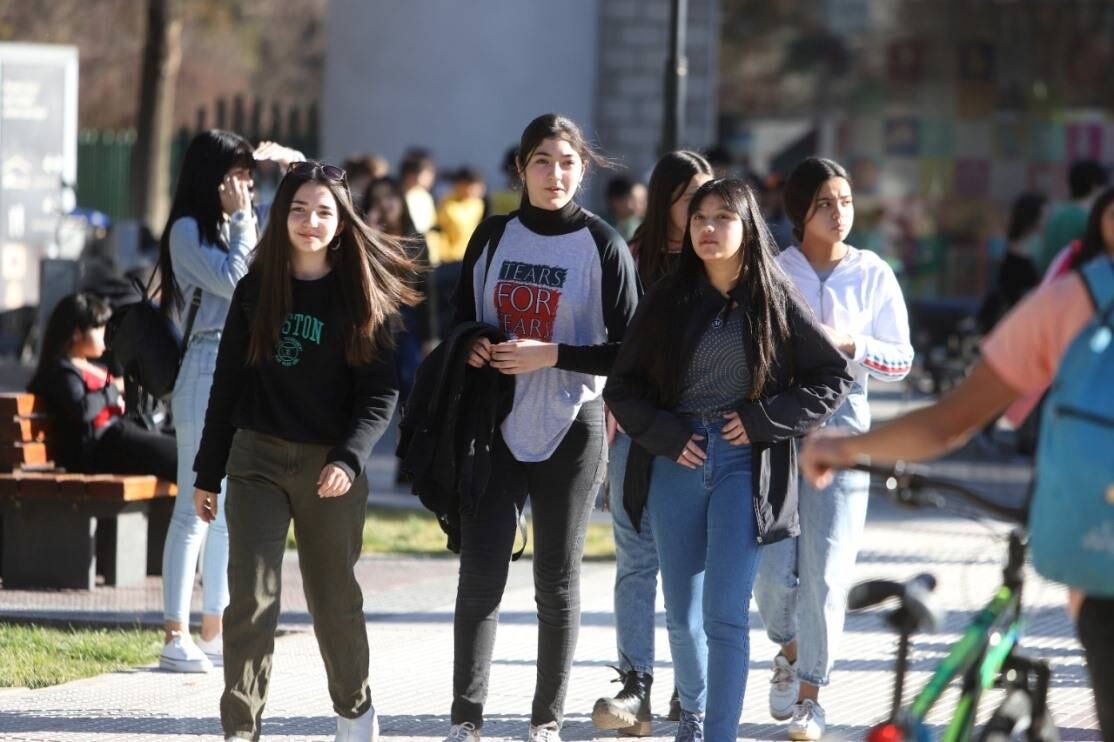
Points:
(416, 533)
(36, 656)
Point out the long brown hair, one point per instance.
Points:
(668, 182)
(374, 274)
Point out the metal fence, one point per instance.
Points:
(104, 157)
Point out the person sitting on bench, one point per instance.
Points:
(90, 432)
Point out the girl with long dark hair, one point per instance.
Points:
(560, 282)
(722, 370)
(304, 387)
(656, 247)
(203, 254)
(388, 212)
(802, 584)
(91, 433)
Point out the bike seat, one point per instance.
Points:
(915, 595)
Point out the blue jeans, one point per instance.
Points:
(636, 571)
(802, 586)
(706, 533)
(187, 531)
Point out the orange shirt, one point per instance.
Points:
(1026, 347)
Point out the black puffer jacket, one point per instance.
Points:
(809, 380)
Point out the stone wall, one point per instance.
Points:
(634, 47)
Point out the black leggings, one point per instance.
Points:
(1096, 634)
(129, 448)
(562, 490)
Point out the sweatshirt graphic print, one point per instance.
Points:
(527, 297)
(563, 278)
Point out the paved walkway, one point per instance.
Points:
(409, 606)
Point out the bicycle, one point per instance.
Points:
(988, 653)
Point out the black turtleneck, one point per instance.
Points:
(569, 218)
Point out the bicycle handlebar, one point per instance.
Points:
(906, 486)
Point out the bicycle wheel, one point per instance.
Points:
(1012, 719)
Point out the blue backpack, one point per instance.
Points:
(1071, 515)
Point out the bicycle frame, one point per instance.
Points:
(979, 655)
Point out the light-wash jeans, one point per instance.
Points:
(802, 586)
(187, 531)
(705, 529)
(636, 570)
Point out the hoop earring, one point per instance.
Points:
(336, 245)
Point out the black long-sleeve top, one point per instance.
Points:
(305, 392)
(79, 413)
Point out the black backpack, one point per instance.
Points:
(147, 345)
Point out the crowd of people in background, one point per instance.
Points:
(309, 317)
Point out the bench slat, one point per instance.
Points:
(119, 488)
(15, 455)
(32, 429)
(19, 405)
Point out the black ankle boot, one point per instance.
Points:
(674, 706)
(629, 710)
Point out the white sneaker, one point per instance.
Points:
(213, 649)
(465, 732)
(363, 728)
(545, 733)
(180, 654)
(784, 687)
(808, 721)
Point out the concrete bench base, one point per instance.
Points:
(55, 543)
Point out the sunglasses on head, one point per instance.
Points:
(309, 167)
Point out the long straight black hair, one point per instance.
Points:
(766, 293)
(667, 184)
(208, 158)
(74, 312)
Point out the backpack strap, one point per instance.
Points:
(195, 304)
(1098, 277)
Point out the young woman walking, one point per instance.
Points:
(203, 254)
(723, 368)
(561, 283)
(655, 246)
(304, 386)
(802, 584)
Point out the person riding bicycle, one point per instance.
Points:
(1020, 356)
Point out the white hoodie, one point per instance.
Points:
(861, 297)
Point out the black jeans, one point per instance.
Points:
(562, 490)
(1096, 634)
(127, 447)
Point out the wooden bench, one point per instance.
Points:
(60, 529)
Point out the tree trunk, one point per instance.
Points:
(150, 165)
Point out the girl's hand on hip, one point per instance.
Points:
(333, 482)
(523, 356)
(205, 503)
(481, 353)
(734, 431)
(693, 455)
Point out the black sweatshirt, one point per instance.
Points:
(306, 392)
